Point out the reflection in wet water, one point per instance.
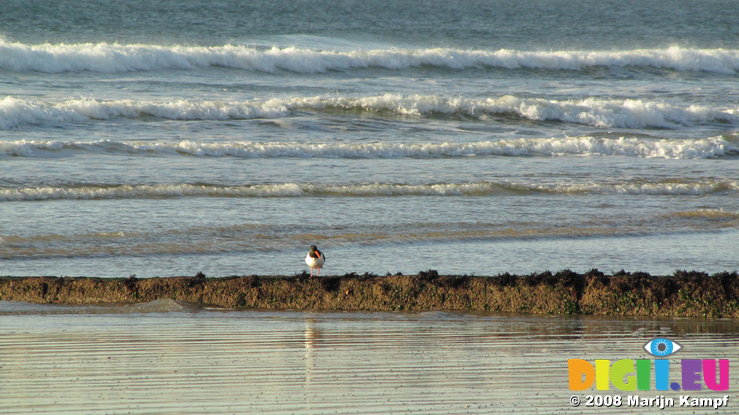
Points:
(218, 362)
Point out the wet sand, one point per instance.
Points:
(684, 294)
(166, 357)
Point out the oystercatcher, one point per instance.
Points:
(315, 260)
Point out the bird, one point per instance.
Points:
(315, 260)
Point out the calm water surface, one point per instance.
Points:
(170, 358)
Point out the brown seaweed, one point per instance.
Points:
(685, 294)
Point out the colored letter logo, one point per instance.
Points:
(632, 375)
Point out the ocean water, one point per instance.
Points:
(474, 137)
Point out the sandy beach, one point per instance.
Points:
(165, 357)
(352, 344)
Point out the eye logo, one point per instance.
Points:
(662, 347)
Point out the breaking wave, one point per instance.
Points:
(711, 147)
(111, 58)
(130, 191)
(598, 112)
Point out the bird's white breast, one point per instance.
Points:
(314, 262)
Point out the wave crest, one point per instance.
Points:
(132, 191)
(111, 58)
(522, 147)
(597, 112)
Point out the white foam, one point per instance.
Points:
(15, 112)
(109, 58)
(131, 191)
(688, 188)
(598, 112)
(710, 147)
